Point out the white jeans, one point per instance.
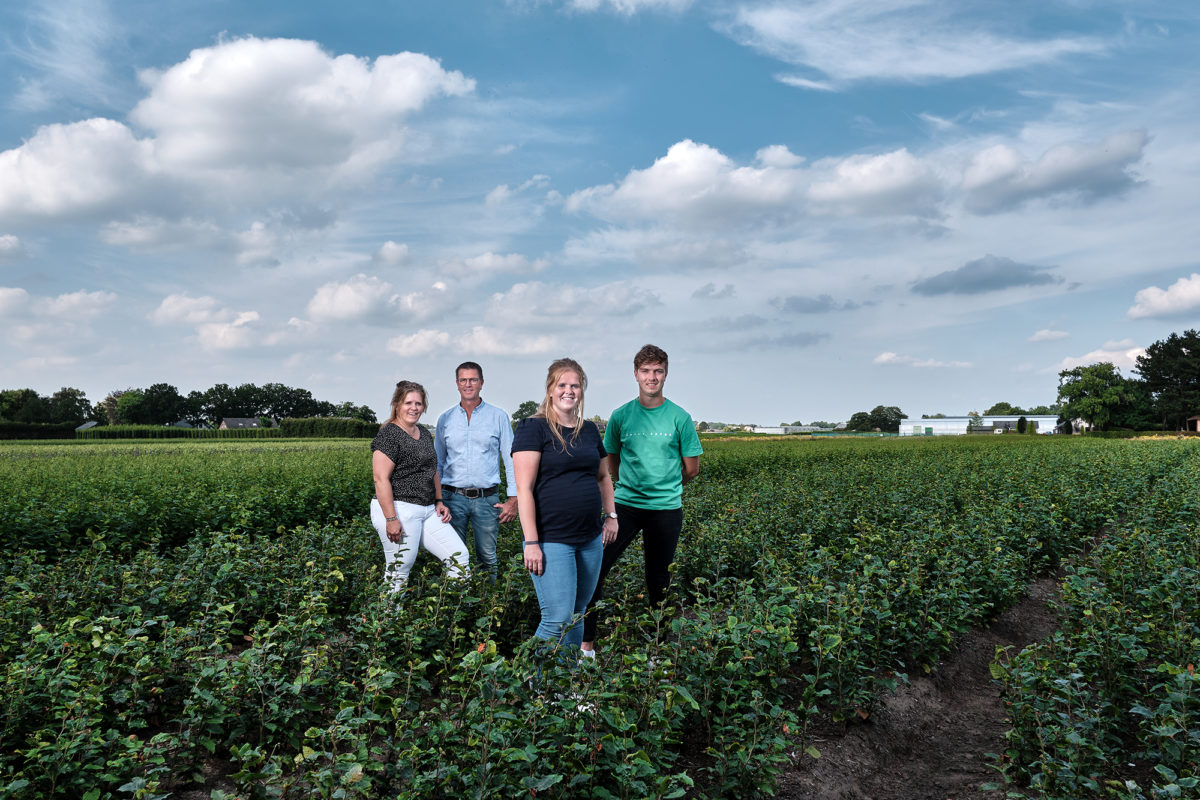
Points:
(420, 526)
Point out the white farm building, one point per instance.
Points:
(957, 426)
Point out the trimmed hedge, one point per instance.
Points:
(328, 428)
(36, 430)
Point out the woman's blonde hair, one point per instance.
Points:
(546, 409)
(403, 388)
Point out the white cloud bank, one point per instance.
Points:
(695, 186)
(258, 119)
(1181, 297)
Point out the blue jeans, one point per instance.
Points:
(564, 588)
(484, 518)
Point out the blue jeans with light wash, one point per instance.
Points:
(484, 519)
(564, 588)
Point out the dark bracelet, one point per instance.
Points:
(531, 541)
(439, 500)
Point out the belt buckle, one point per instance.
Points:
(473, 494)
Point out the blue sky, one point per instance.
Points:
(814, 207)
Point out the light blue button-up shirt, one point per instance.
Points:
(469, 453)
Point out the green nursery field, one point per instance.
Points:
(204, 620)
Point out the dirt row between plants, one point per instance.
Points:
(929, 740)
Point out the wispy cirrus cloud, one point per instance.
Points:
(843, 41)
(65, 45)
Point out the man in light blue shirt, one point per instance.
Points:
(471, 439)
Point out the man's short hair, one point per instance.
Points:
(649, 354)
(468, 365)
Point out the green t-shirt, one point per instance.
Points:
(652, 443)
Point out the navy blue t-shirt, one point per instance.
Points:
(565, 490)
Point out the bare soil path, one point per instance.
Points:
(929, 740)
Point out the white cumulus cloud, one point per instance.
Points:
(628, 7)
(696, 185)
(911, 361)
(422, 343)
(75, 169)
(1122, 354)
(493, 264)
(391, 253)
(76, 305)
(1048, 335)
(479, 340)
(272, 104)
(692, 182)
(260, 120)
(368, 298)
(1181, 297)
(13, 299)
(237, 334)
(890, 183)
(1000, 177)
(537, 300)
(358, 297)
(10, 246)
(182, 308)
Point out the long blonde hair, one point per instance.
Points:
(546, 409)
(403, 388)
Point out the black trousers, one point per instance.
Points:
(660, 534)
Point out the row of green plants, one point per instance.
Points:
(1110, 705)
(108, 432)
(257, 658)
(164, 493)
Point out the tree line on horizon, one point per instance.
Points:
(1163, 397)
(163, 404)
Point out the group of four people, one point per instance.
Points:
(581, 497)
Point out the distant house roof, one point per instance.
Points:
(91, 423)
(239, 422)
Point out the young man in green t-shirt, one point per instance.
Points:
(653, 450)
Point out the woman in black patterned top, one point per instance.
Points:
(407, 510)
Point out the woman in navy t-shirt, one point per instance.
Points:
(563, 487)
